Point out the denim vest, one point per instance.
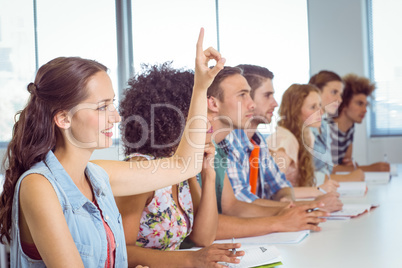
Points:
(82, 216)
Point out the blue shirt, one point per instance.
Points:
(270, 178)
(82, 216)
(322, 148)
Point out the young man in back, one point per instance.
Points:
(351, 111)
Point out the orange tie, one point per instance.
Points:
(254, 167)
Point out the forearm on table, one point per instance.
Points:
(244, 209)
(284, 193)
(306, 192)
(229, 226)
(157, 258)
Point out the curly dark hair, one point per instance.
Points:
(154, 110)
(355, 85)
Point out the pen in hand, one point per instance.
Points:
(233, 249)
(322, 190)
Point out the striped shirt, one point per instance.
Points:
(270, 178)
(340, 141)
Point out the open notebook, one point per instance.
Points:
(377, 177)
(258, 256)
(352, 210)
(352, 189)
(371, 177)
(274, 238)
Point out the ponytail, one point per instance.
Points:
(59, 86)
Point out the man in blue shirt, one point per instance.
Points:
(231, 106)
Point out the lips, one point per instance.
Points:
(108, 132)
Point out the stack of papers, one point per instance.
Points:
(352, 211)
(258, 256)
(352, 189)
(377, 177)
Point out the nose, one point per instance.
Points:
(114, 117)
(251, 105)
(275, 103)
(339, 99)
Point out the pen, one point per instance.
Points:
(354, 163)
(311, 210)
(322, 190)
(327, 173)
(233, 249)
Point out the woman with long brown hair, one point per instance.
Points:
(293, 142)
(57, 208)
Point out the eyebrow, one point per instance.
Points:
(106, 100)
(244, 91)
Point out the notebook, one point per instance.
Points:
(274, 238)
(352, 210)
(377, 177)
(258, 256)
(352, 189)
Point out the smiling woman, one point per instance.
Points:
(57, 207)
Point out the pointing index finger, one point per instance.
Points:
(200, 41)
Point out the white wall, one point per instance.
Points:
(338, 42)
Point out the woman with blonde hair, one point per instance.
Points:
(293, 142)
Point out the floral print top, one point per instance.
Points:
(163, 226)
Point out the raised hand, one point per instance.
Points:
(203, 74)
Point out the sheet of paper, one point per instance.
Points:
(352, 210)
(256, 256)
(352, 189)
(274, 238)
(377, 177)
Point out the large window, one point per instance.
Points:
(386, 67)
(64, 28)
(269, 33)
(17, 60)
(168, 30)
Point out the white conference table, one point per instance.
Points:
(373, 239)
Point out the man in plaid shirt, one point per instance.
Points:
(235, 120)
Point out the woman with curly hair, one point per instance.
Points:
(57, 209)
(154, 110)
(293, 142)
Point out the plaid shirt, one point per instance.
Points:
(270, 179)
(340, 141)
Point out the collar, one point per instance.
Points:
(75, 197)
